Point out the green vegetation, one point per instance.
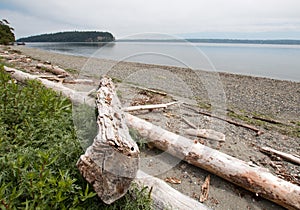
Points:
(71, 36)
(6, 33)
(38, 152)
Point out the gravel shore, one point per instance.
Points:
(276, 98)
(231, 96)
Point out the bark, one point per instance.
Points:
(110, 164)
(253, 178)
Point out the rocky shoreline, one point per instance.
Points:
(231, 96)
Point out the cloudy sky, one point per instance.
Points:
(273, 19)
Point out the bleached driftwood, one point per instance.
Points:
(162, 193)
(206, 133)
(148, 107)
(166, 197)
(253, 178)
(257, 130)
(151, 90)
(289, 157)
(189, 123)
(111, 162)
(53, 69)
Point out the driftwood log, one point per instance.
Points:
(250, 177)
(53, 69)
(163, 195)
(149, 107)
(286, 156)
(112, 161)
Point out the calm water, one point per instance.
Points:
(272, 61)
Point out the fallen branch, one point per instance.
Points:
(284, 155)
(162, 194)
(53, 69)
(151, 90)
(189, 123)
(149, 107)
(206, 133)
(252, 178)
(258, 131)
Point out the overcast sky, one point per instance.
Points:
(189, 18)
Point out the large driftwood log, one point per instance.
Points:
(111, 162)
(253, 178)
(53, 69)
(161, 193)
(166, 197)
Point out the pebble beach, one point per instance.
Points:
(233, 96)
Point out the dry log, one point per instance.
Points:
(189, 123)
(163, 195)
(253, 178)
(166, 197)
(111, 162)
(53, 69)
(149, 107)
(258, 131)
(289, 157)
(206, 133)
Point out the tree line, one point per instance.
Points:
(71, 36)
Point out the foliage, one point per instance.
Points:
(71, 36)
(39, 150)
(6, 33)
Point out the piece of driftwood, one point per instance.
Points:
(149, 107)
(286, 156)
(78, 81)
(206, 133)
(189, 123)
(111, 162)
(53, 69)
(257, 130)
(166, 197)
(250, 177)
(205, 189)
(151, 90)
(162, 195)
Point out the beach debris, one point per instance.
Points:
(257, 130)
(149, 107)
(53, 69)
(286, 156)
(230, 168)
(173, 180)
(110, 164)
(207, 134)
(205, 189)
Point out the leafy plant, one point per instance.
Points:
(38, 153)
(6, 33)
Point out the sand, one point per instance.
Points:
(228, 95)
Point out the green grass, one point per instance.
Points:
(38, 152)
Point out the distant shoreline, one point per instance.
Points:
(218, 41)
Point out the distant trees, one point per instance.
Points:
(71, 36)
(6, 33)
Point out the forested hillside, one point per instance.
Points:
(71, 36)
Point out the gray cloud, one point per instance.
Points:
(135, 16)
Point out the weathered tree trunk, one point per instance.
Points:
(253, 178)
(111, 162)
(53, 69)
(161, 193)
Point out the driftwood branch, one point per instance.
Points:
(149, 107)
(257, 130)
(286, 156)
(253, 178)
(189, 123)
(162, 193)
(206, 133)
(151, 90)
(53, 69)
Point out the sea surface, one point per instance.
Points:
(271, 61)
